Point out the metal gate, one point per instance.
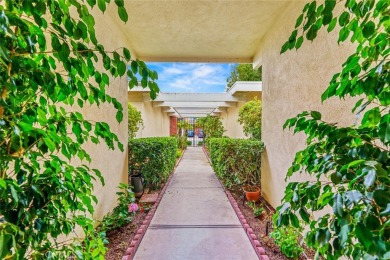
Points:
(194, 134)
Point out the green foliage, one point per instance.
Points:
(212, 126)
(153, 157)
(236, 162)
(179, 153)
(350, 164)
(249, 116)
(48, 71)
(257, 211)
(134, 120)
(120, 215)
(200, 143)
(182, 127)
(287, 239)
(243, 72)
(182, 142)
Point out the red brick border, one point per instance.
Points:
(130, 251)
(260, 251)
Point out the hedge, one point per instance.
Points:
(236, 162)
(153, 157)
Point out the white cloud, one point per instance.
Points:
(191, 77)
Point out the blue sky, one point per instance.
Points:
(191, 77)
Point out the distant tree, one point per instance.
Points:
(134, 120)
(249, 117)
(243, 72)
(212, 126)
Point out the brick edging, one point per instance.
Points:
(260, 251)
(136, 241)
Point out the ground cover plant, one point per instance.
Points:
(236, 162)
(154, 158)
(48, 71)
(350, 164)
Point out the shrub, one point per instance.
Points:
(212, 126)
(135, 121)
(236, 161)
(249, 117)
(182, 142)
(287, 239)
(179, 153)
(153, 157)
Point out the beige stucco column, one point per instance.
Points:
(293, 82)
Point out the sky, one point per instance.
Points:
(191, 77)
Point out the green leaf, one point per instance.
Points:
(312, 33)
(386, 211)
(368, 29)
(299, 21)
(126, 53)
(370, 178)
(294, 220)
(364, 235)
(3, 184)
(332, 24)
(123, 14)
(299, 42)
(382, 197)
(315, 115)
(338, 205)
(121, 68)
(371, 118)
(102, 5)
(50, 144)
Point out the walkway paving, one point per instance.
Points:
(195, 219)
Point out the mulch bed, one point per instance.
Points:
(119, 239)
(259, 227)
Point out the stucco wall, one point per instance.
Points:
(293, 82)
(156, 122)
(112, 164)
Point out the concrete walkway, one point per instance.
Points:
(195, 219)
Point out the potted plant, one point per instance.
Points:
(252, 193)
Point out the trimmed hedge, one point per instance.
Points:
(153, 157)
(236, 162)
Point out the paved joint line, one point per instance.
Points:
(193, 226)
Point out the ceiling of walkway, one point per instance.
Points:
(198, 31)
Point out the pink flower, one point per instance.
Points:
(133, 207)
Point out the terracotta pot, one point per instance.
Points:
(250, 194)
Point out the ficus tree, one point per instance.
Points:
(349, 165)
(135, 121)
(249, 116)
(48, 57)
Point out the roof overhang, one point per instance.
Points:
(199, 104)
(197, 31)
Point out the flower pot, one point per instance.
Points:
(252, 193)
(138, 185)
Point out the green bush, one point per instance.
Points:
(153, 157)
(236, 161)
(287, 239)
(182, 142)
